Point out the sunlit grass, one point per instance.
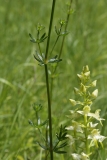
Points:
(22, 82)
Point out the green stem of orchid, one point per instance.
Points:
(86, 135)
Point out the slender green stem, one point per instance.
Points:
(38, 32)
(51, 86)
(62, 44)
(75, 144)
(40, 49)
(47, 153)
(50, 28)
(49, 112)
(104, 123)
(55, 44)
(56, 145)
(67, 19)
(86, 134)
(39, 128)
(56, 39)
(47, 81)
(41, 154)
(46, 135)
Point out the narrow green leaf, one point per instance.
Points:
(60, 152)
(53, 60)
(2, 80)
(64, 33)
(42, 36)
(42, 146)
(45, 122)
(32, 39)
(56, 56)
(39, 56)
(37, 59)
(37, 107)
(56, 31)
(62, 145)
(30, 122)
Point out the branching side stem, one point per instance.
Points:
(62, 44)
(67, 20)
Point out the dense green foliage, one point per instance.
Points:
(22, 81)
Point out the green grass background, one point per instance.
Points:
(22, 80)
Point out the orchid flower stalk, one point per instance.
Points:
(84, 132)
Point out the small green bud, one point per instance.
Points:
(93, 84)
(94, 93)
(80, 76)
(84, 156)
(76, 90)
(86, 109)
(89, 102)
(85, 68)
(83, 88)
(87, 74)
(73, 102)
(62, 22)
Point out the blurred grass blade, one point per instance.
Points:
(2, 80)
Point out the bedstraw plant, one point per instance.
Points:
(85, 137)
(42, 57)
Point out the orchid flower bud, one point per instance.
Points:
(94, 93)
(93, 84)
(76, 90)
(80, 76)
(86, 109)
(73, 102)
(85, 68)
(83, 88)
(87, 74)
